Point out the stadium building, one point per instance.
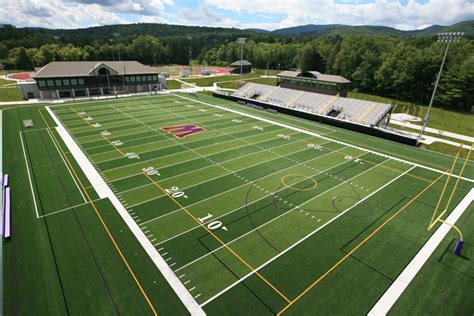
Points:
(75, 79)
(314, 81)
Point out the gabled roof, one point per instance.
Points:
(244, 63)
(313, 75)
(85, 68)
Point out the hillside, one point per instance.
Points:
(346, 30)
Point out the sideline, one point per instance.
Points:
(390, 297)
(323, 137)
(103, 192)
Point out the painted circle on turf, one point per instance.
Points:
(286, 181)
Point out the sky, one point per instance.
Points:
(264, 14)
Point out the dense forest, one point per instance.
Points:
(401, 66)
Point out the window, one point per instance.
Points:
(66, 82)
(155, 77)
(41, 83)
(127, 79)
(139, 79)
(80, 81)
(58, 82)
(143, 78)
(149, 78)
(73, 82)
(80, 93)
(50, 83)
(132, 79)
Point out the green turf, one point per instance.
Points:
(278, 200)
(9, 91)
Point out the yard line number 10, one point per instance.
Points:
(214, 225)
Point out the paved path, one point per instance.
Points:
(433, 131)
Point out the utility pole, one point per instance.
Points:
(241, 41)
(190, 56)
(451, 37)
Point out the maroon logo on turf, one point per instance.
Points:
(181, 131)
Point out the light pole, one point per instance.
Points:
(111, 40)
(117, 35)
(451, 37)
(241, 41)
(190, 56)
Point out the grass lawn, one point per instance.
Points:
(9, 91)
(209, 81)
(173, 84)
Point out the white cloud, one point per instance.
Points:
(413, 15)
(204, 15)
(231, 13)
(54, 14)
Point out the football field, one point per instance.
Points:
(249, 214)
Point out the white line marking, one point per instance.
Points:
(303, 239)
(389, 298)
(29, 176)
(324, 137)
(104, 191)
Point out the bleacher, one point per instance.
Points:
(347, 109)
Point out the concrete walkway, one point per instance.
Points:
(434, 131)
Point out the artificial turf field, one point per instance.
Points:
(252, 216)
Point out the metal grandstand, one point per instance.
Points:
(352, 110)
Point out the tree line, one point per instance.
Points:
(399, 67)
(396, 67)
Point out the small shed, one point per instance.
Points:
(246, 67)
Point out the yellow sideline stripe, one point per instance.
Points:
(115, 147)
(100, 218)
(79, 116)
(358, 246)
(433, 220)
(217, 238)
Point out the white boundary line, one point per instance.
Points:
(324, 137)
(390, 297)
(67, 166)
(103, 192)
(282, 214)
(29, 176)
(303, 239)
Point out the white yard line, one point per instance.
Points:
(281, 215)
(210, 166)
(29, 176)
(131, 149)
(324, 137)
(68, 208)
(390, 297)
(303, 239)
(240, 207)
(103, 192)
(228, 172)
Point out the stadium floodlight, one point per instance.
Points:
(111, 40)
(117, 35)
(190, 56)
(241, 41)
(451, 37)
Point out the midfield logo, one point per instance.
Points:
(181, 131)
